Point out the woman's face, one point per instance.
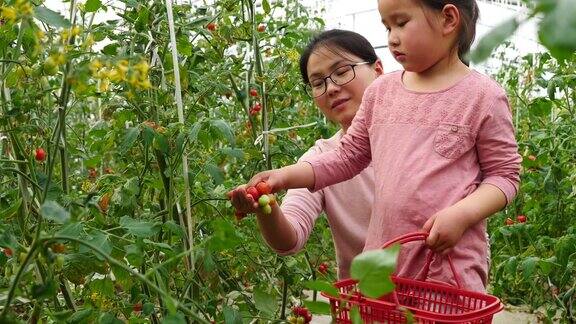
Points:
(340, 103)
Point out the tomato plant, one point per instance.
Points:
(115, 224)
(533, 258)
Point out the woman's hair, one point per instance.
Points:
(468, 16)
(340, 42)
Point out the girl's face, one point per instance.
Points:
(417, 38)
(340, 103)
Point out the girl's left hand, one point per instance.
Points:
(445, 229)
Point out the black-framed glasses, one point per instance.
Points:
(340, 76)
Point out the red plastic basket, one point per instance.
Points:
(427, 302)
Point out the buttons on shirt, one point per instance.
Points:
(454, 129)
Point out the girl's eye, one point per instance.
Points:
(402, 24)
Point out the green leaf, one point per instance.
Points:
(177, 318)
(81, 316)
(10, 211)
(540, 107)
(79, 265)
(265, 302)
(557, 30)
(137, 227)
(92, 5)
(44, 291)
(130, 138)
(109, 318)
(72, 230)
(52, 211)
(161, 143)
(147, 309)
(373, 269)
(134, 254)
(193, 135)
(493, 39)
(232, 152)
(318, 307)
(355, 315)
(100, 241)
(215, 172)
(528, 266)
(225, 235)
(224, 129)
(231, 316)
(51, 18)
(322, 286)
(266, 6)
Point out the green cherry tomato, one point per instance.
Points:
(264, 200)
(267, 209)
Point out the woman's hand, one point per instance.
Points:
(446, 228)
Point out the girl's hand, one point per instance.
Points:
(445, 229)
(241, 201)
(274, 178)
(244, 202)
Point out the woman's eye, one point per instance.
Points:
(402, 24)
(317, 83)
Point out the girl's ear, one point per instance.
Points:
(378, 68)
(450, 19)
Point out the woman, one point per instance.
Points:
(336, 67)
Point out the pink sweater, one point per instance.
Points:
(428, 150)
(348, 206)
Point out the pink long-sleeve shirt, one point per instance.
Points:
(428, 151)
(347, 205)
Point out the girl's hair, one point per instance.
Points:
(338, 41)
(468, 15)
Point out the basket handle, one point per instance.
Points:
(421, 236)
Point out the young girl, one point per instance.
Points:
(348, 59)
(441, 140)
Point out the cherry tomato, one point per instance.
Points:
(253, 93)
(521, 219)
(212, 26)
(261, 28)
(40, 154)
(263, 188)
(8, 252)
(254, 192)
(509, 221)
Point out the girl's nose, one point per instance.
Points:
(393, 39)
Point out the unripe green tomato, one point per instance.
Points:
(59, 263)
(267, 209)
(264, 200)
(7, 272)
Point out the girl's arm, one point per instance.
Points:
(447, 226)
(500, 167)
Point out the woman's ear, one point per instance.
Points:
(450, 19)
(378, 68)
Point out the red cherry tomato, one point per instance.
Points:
(509, 221)
(8, 252)
(254, 192)
(261, 28)
(253, 93)
(40, 154)
(263, 188)
(137, 307)
(211, 26)
(521, 219)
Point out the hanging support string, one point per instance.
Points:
(180, 106)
